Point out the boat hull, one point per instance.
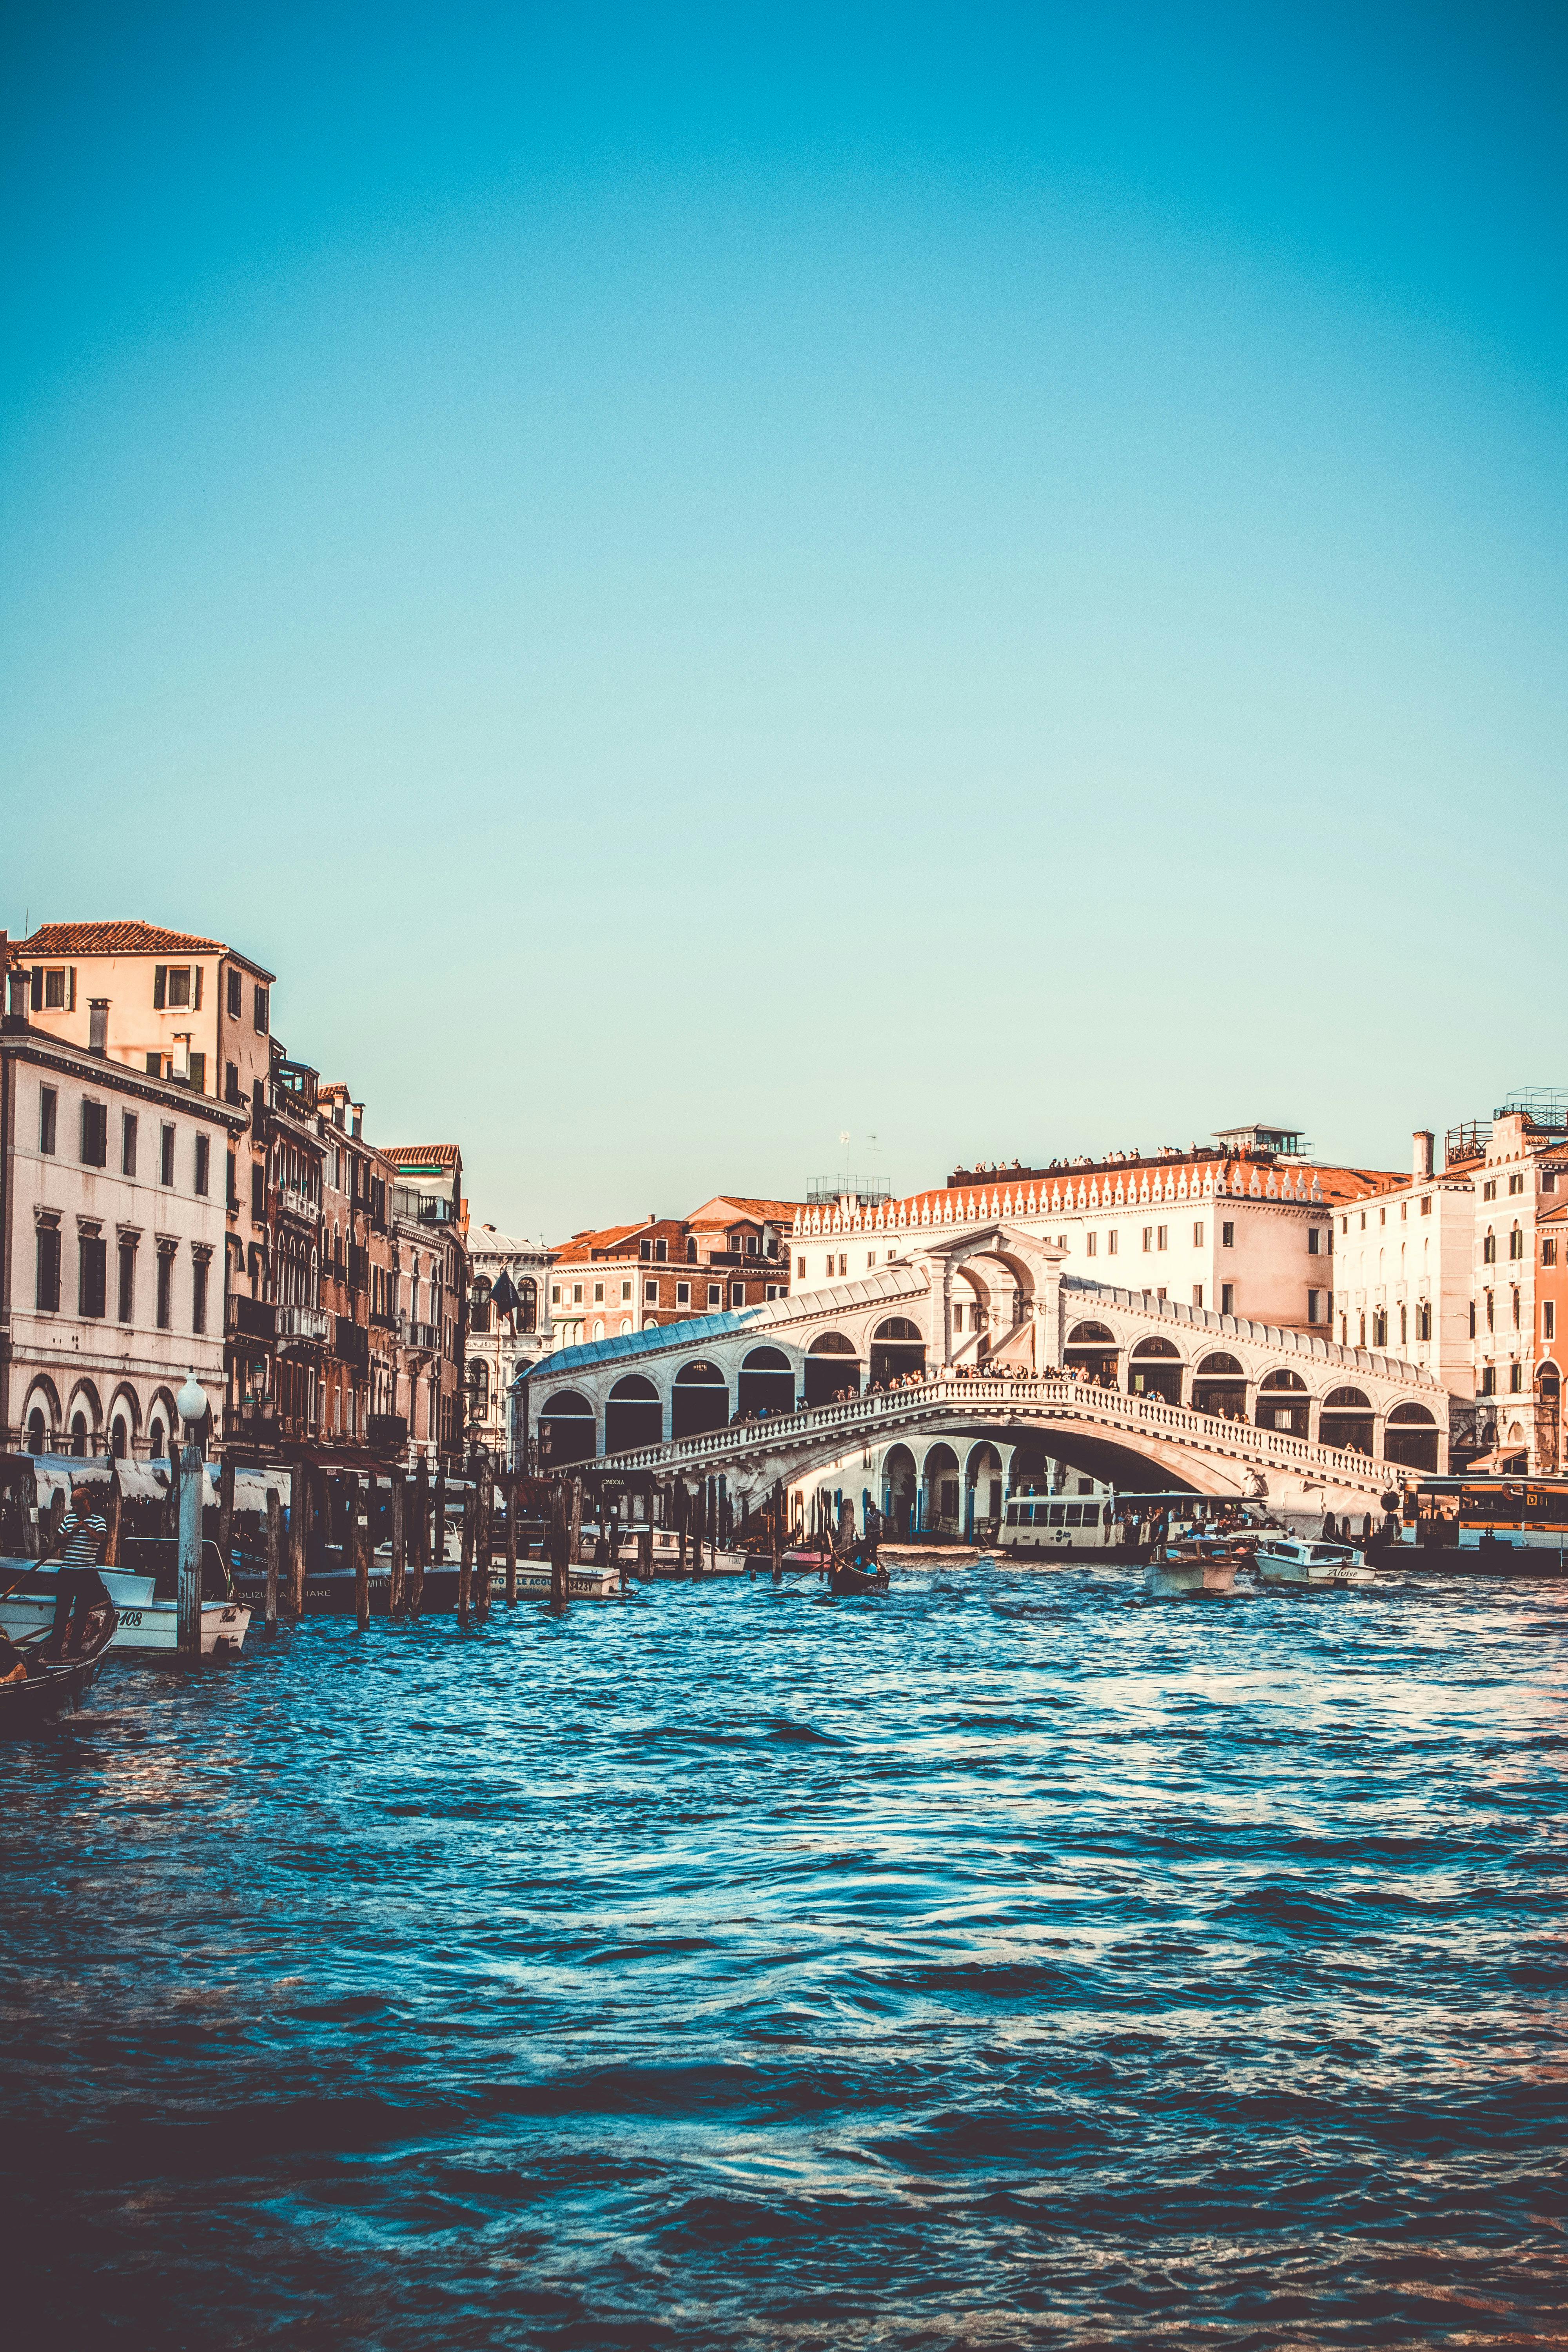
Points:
(146, 1627)
(1172, 1579)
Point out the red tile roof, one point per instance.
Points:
(421, 1155)
(124, 939)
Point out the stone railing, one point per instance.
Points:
(1282, 1336)
(1025, 1396)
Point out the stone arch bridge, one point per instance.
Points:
(979, 1340)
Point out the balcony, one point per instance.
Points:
(425, 1339)
(295, 1203)
(386, 1432)
(359, 1267)
(251, 1318)
(302, 1325)
(351, 1343)
(381, 1321)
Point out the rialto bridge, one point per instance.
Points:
(869, 1374)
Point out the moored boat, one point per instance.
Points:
(146, 1618)
(1195, 1567)
(31, 1703)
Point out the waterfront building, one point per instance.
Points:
(1517, 1163)
(182, 1007)
(112, 1225)
(727, 1254)
(1550, 1326)
(1242, 1227)
(508, 1329)
(1403, 1274)
(430, 1219)
(360, 1369)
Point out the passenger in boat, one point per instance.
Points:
(79, 1585)
(13, 1663)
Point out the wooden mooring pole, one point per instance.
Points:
(560, 1543)
(297, 1539)
(274, 1555)
(226, 1516)
(360, 1537)
(466, 1564)
(511, 1540)
(394, 1600)
(487, 1540)
(421, 1537)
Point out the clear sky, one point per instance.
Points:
(696, 580)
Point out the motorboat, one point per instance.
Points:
(1297, 1565)
(146, 1606)
(1195, 1568)
(665, 1557)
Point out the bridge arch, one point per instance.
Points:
(940, 1499)
(900, 1484)
(1347, 1421)
(634, 1414)
(765, 1382)
(898, 1349)
(700, 1400)
(124, 1421)
(1219, 1385)
(1154, 1368)
(1093, 1350)
(568, 1431)
(832, 1365)
(1282, 1402)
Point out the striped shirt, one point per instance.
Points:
(81, 1538)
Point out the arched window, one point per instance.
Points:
(1488, 1248)
(700, 1400)
(37, 1433)
(567, 1431)
(632, 1414)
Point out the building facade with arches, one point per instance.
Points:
(112, 1218)
(508, 1329)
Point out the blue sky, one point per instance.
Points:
(693, 581)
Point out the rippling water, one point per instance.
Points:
(1008, 1962)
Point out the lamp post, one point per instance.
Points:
(192, 1407)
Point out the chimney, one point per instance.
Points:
(98, 1025)
(1421, 1154)
(182, 1057)
(21, 989)
(358, 1111)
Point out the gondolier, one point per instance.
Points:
(81, 1588)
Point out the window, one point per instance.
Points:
(1383, 1216)
(683, 1294)
(1515, 1296)
(1379, 1328)
(661, 1251)
(598, 1294)
(1403, 1332)
(800, 1269)
(260, 1012)
(555, 1294)
(775, 1290)
(55, 991)
(178, 997)
(166, 1156)
(48, 1289)
(236, 994)
(1488, 1379)
(1516, 1183)
(1549, 1318)
(128, 1143)
(94, 1135)
(1472, 1319)
(649, 1293)
(1424, 1319)
(1488, 1250)
(1403, 1211)
(165, 1288)
(1112, 1242)
(1197, 1236)
(1092, 1244)
(1161, 1237)
(49, 1104)
(714, 1295)
(1363, 1220)
(843, 1264)
(1198, 1293)
(127, 1280)
(1314, 1241)
(1549, 1252)
(204, 1159)
(154, 1066)
(1515, 1379)
(1489, 1324)
(1516, 1244)
(737, 1294)
(576, 1293)
(258, 1197)
(199, 1295)
(198, 1074)
(1488, 1189)
(1227, 1236)
(91, 1275)
(625, 1292)
(1314, 1307)
(1549, 1180)
(1426, 1204)
(1227, 1298)
(1148, 1238)
(871, 1260)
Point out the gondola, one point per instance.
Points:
(52, 1685)
(847, 1578)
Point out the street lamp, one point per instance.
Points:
(191, 1404)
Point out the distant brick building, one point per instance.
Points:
(731, 1252)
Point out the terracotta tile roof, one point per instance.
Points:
(726, 1205)
(421, 1155)
(600, 1239)
(124, 938)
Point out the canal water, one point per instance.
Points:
(1009, 1961)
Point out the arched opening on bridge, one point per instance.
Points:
(938, 1492)
(566, 1432)
(1547, 1416)
(1282, 1402)
(699, 1401)
(1029, 1472)
(1219, 1385)
(831, 1368)
(1347, 1421)
(1091, 1347)
(1154, 1370)
(898, 1488)
(766, 1383)
(632, 1414)
(898, 1349)
(981, 1493)
(1412, 1437)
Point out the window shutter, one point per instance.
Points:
(196, 999)
(160, 986)
(37, 988)
(71, 1004)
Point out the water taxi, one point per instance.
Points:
(146, 1607)
(1299, 1566)
(1195, 1568)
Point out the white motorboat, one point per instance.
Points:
(28, 1591)
(1194, 1568)
(1296, 1565)
(665, 1557)
(581, 1584)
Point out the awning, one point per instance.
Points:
(1501, 1458)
